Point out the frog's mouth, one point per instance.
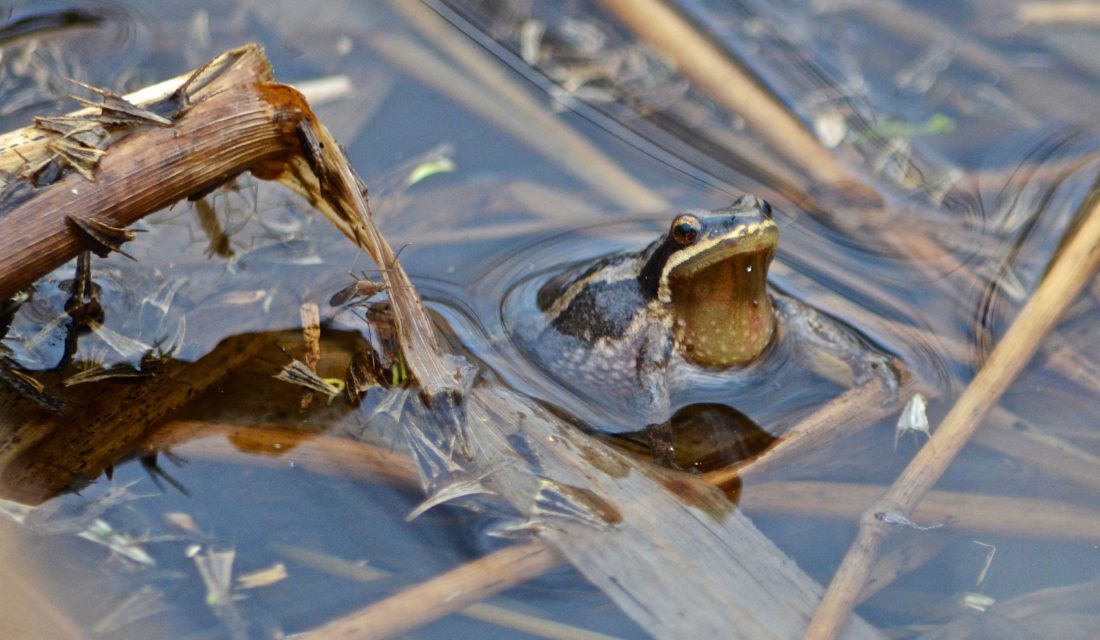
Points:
(739, 245)
(722, 313)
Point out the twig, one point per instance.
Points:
(278, 446)
(1035, 518)
(1067, 276)
(444, 594)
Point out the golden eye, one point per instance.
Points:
(685, 228)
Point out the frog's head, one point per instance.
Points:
(710, 272)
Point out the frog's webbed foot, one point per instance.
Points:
(819, 338)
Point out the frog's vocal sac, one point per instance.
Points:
(633, 329)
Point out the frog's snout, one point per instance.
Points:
(754, 202)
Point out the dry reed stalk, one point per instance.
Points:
(1031, 446)
(1075, 13)
(279, 446)
(1070, 271)
(444, 594)
(496, 96)
(230, 123)
(732, 87)
(1036, 518)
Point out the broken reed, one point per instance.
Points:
(77, 181)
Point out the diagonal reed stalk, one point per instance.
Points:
(1068, 274)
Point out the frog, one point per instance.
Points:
(633, 329)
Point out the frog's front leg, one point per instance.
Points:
(652, 372)
(819, 341)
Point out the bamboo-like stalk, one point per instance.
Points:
(1072, 268)
(733, 88)
(444, 594)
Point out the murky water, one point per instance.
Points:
(977, 127)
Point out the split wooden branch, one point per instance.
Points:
(226, 118)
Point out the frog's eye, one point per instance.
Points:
(685, 228)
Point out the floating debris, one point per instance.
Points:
(977, 601)
(216, 570)
(298, 373)
(430, 168)
(127, 348)
(101, 532)
(263, 578)
(913, 420)
(902, 521)
(101, 238)
(988, 562)
(28, 387)
(97, 372)
(555, 499)
(453, 491)
(183, 521)
(118, 108)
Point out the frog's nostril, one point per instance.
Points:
(765, 209)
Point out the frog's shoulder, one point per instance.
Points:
(601, 302)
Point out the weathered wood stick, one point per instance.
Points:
(226, 118)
